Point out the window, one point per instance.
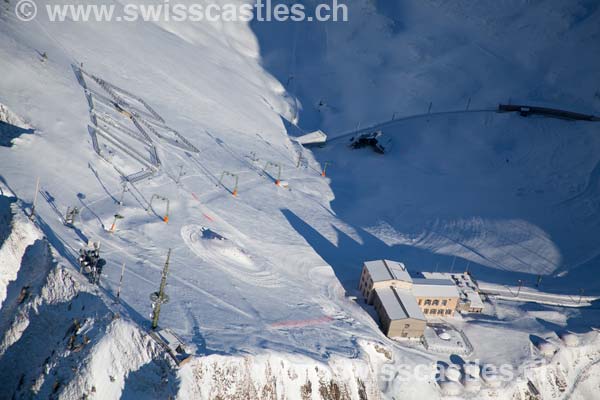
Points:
(436, 302)
(448, 311)
(420, 301)
(406, 326)
(440, 312)
(428, 302)
(444, 302)
(426, 311)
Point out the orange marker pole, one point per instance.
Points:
(324, 173)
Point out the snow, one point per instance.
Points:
(315, 137)
(399, 304)
(16, 235)
(434, 288)
(505, 197)
(385, 270)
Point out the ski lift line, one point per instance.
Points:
(206, 172)
(132, 185)
(398, 120)
(183, 281)
(233, 153)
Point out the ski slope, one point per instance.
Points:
(463, 187)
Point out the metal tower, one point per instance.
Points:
(158, 298)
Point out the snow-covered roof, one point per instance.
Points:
(434, 288)
(474, 299)
(311, 138)
(385, 270)
(169, 339)
(399, 304)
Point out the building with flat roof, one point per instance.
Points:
(470, 301)
(398, 296)
(399, 314)
(383, 273)
(436, 297)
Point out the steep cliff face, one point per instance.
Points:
(17, 234)
(277, 376)
(570, 372)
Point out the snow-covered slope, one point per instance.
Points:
(258, 283)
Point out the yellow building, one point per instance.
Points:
(383, 273)
(399, 314)
(396, 294)
(436, 297)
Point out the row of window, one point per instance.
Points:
(438, 312)
(433, 302)
(365, 280)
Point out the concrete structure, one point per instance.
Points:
(399, 313)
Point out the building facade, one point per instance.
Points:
(404, 303)
(399, 314)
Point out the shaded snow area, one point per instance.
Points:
(11, 126)
(186, 132)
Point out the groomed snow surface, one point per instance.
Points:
(260, 284)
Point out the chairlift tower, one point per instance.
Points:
(160, 297)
